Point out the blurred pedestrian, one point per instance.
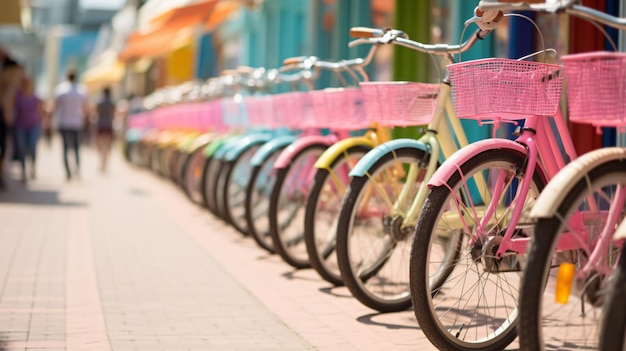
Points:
(105, 115)
(10, 77)
(71, 108)
(29, 112)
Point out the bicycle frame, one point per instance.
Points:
(438, 141)
(555, 193)
(374, 136)
(537, 141)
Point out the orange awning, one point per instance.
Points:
(165, 29)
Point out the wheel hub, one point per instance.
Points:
(592, 288)
(492, 264)
(394, 228)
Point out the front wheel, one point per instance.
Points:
(322, 213)
(464, 297)
(613, 331)
(257, 203)
(236, 179)
(374, 233)
(192, 176)
(287, 206)
(584, 213)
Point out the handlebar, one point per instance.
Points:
(393, 36)
(488, 8)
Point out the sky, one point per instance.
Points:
(102, 4)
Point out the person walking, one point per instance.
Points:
(105, 115)
(28, 111)
(10, 77)
(71, 108)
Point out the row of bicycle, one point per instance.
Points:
(484, 241)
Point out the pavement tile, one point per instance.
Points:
(123, 261)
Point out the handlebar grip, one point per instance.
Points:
(245, 69)
(294, 60)
(231, 72)
(365, 32)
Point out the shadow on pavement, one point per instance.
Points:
(373, 319)
(17, 193)
(338, 291)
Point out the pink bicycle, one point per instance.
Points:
(468, 251)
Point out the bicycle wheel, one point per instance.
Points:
(322, 213)
(210, 176)
(465, 298)
(237, 176)
(287, 205)
(373, 241)
(575, 324)
(192, 176)
(613, 327)
(165, 163)
(220, 201)
(155, 158)
(257, 204)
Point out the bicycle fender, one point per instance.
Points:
(449, 167)
(245, 143)
(201, 141)
(226, 146)
(269, 147)
(561, 185)
(213, 146)
(381, 150)
(332, 153)
(292, 150)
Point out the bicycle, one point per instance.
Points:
(613, 317)
(571, 253)
(469, 242)
(388, 186)
(294, 167)
(387, 104)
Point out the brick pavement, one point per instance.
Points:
(123, 261)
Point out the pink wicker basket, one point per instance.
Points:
(596, 88)
(505, 88)
(260, 110)
(291, 110)
(339, 108)
(402, 103)
(233, 111)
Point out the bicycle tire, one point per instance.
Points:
(155, 156)
(436, 224)
(258, 199)
(210, 177)
(192, 178)
(237, 178)
(289, 244)
(612, 335)
(321, 241)
(165, 162)
(536, 300)
(219, 186)
(370, 261)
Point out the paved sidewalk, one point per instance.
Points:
(123, 261)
